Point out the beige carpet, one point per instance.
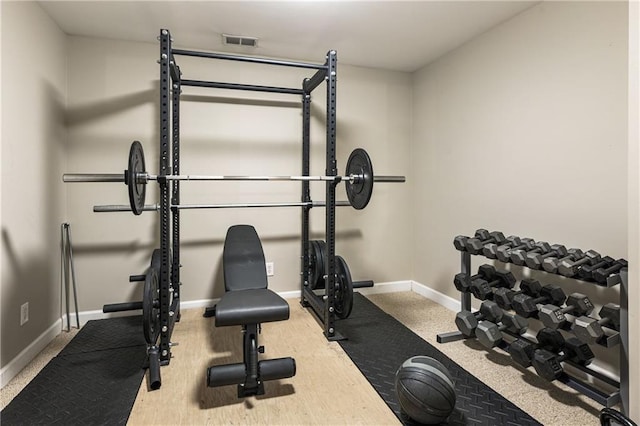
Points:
(550, 403)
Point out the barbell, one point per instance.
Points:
(359, 179)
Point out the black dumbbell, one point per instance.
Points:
(482, 289)
(475, 245)
(518, 257)
(547, 364)
(463, 281)
(504, 296)
(489, 334)
(503, 252)
(522, 350)
(554, 317)
(550, 264)
(589, 329)
(467, 321)
(610, 276)
(586, 271)
(460, 241)
(569, 268)
(527, 306)
(534, 260)
(490, 250)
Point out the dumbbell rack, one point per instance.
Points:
(621, 392)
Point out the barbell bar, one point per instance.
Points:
(111, 208)
(359, 178)
(144, 178)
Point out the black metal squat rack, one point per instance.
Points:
(171, 83)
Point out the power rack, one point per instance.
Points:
(171, 83)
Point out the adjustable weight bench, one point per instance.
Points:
(248, 302)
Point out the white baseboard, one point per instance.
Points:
(87, 316)
(388, 287)
(21, 360)
(441, 299)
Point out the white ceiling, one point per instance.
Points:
(395, 35)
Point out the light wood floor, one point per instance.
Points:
(327, 389)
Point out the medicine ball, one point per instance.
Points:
(425, 390)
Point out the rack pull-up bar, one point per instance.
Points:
(248, 59)
(236, 86)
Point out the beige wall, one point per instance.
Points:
(113, 100)
(524, 130)
(34, 91)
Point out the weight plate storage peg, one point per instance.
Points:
(151, 306)
(343, 295)
(360, 189)
(137, 189)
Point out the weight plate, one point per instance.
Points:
(317, 255)
(315, 264)
(156, 259)
(359, 191)
(343, 295)
(322, 246)
(151, 306)
(137, 189)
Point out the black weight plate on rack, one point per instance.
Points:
(151, 306)
(318, 266)
(137, 189)
(315, 264)
(343, 295)
(156, 259)
(359, 192)
(322, 246)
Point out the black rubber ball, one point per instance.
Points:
(425, 390)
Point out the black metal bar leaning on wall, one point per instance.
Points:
(248, 87)
(248, 59)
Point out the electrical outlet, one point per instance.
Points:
(24, 313)
(269, 269)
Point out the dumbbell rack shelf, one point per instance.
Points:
(607, 399)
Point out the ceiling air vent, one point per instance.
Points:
(239, 40)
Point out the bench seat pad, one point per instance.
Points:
(252, 306)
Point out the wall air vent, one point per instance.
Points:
(239, 40)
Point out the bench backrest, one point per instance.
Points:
(243, 259)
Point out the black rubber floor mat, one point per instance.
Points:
(104, 334)
(96, 386)
(378, 344)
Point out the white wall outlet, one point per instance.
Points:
(24, 313)
(270, 270)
